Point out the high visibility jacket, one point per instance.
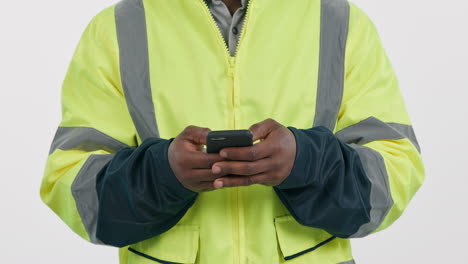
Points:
(149, 68)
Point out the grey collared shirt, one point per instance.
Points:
(229, 26)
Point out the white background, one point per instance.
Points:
(427, 42)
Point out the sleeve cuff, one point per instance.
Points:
(167, 176)
(298, 172)
(311, 145)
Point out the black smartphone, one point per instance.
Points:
(216, 140)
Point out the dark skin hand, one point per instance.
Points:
(191, 166)
(268, 162)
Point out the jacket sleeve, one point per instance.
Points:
(358, 179)
(96, 179)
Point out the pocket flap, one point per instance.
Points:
(295, 239)
(177, 245)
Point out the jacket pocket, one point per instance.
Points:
(296, 240)
(177, 245)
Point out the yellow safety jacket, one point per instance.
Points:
(149, 68)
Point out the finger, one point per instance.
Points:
(202, 160)
(200, 175)
(205, 186)
(257, 151)
(241, 167)
(196, 135)
(233, 181)
(262, 129)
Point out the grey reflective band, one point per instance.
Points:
(348, 262)
(372, 129)
(408, 132)
(334, 24)
(84, 138)
(366, 131)
(134, 65)
(85, 194)
(84, 185)
(380, 197)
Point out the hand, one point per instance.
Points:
(268, 162)
(191, 166)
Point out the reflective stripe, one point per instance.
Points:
(348, 262)
(368, 130)
(408, 132)
(134, 65)
(84, 185)
(380, 197)
(372, 129)
(85, 194)
(334, 24)
(84, 138)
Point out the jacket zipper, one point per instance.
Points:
(231, 62)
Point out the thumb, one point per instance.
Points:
(196, 135)
(262, 129)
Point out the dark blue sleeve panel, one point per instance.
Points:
(139, 195)
(327, 187)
